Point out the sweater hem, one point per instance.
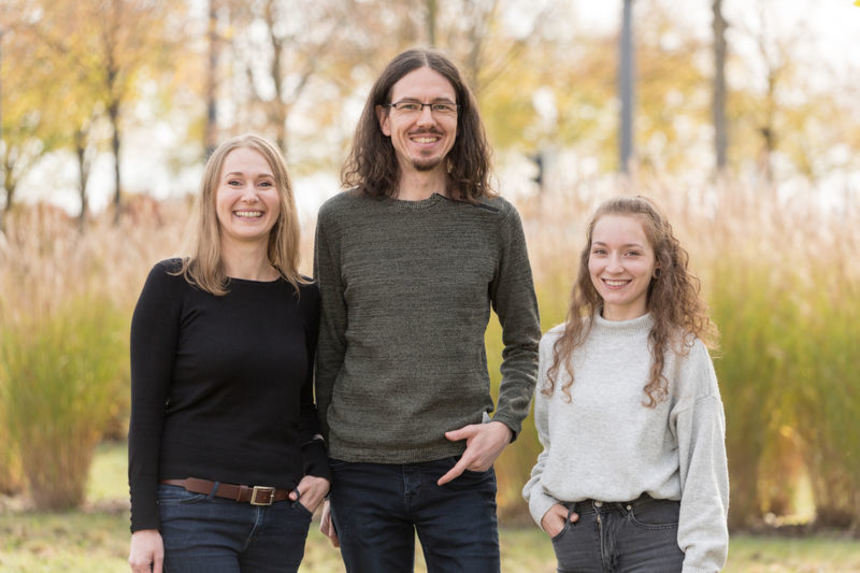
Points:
(396, 456)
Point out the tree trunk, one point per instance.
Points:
(626, 86)
(9, 185)
(432, 9)
(113, 114)
(5, 170)
(277, 107)
(719, 102)
(83, 176)
(211, 131)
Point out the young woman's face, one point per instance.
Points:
(247, 201)
(621, 264)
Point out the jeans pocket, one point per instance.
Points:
(469, 479)
(300, 507)
(577, 547)
(335, 464)
(175, 495)
(564, 529)
(656, 514)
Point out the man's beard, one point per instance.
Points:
(429, 164)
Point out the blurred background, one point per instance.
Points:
(739, 117)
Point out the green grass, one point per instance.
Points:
(756, 554)
(95, 539)
(73, 541)
(108, 483)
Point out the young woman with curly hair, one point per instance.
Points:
(633, 475)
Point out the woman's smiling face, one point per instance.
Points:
(621, 264)
(247, 201)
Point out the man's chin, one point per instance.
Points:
(426, 164)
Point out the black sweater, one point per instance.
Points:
(221, 386)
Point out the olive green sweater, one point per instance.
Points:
(406, 290)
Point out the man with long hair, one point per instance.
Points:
(410, 259)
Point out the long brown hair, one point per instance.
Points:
(204, 268)
(372, 165)
(674, 300)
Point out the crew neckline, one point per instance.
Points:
(644, 321)
(254, 282)
(420, 204)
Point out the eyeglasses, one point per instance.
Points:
(411, 107)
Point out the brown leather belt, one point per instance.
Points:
(255, 495)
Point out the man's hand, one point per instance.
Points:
(484, 443)
(327, 525)
(553, 520)
(310, 491)
(147, 551)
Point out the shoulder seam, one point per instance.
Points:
(709, 396)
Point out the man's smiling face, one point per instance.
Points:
(421, 140)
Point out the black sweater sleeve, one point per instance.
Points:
(154, 337)
(313, 447)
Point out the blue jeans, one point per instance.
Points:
(610, 537)
(378, 508)
(207, 534)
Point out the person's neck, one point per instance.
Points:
(248, 261)
(419, 185)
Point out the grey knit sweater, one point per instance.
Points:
(406, 290)
(605, 445)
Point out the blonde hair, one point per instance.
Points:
(679, 313)
(204, 268)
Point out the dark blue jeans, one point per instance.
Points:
(204, 534)
(610, 537)
(378, 508)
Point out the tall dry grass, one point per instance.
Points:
(784, 291)
(65, 304)
(779, 275)
(62, 377)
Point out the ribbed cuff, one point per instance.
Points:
(539, 504)
(316, 460)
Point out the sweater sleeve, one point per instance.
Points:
(700, 428)
(313, 447)
(513, 298)
(538, 499)
(331, 347)
(154, 336)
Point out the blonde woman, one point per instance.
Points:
(225, 461)
(633, 476)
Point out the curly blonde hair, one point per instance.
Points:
(680, 314)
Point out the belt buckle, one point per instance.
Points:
(268, 494)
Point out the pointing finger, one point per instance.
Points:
(454, 472)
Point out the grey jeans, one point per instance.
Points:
(620, 537)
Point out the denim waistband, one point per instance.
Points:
(587, 506)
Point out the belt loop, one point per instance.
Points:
(214, 489)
